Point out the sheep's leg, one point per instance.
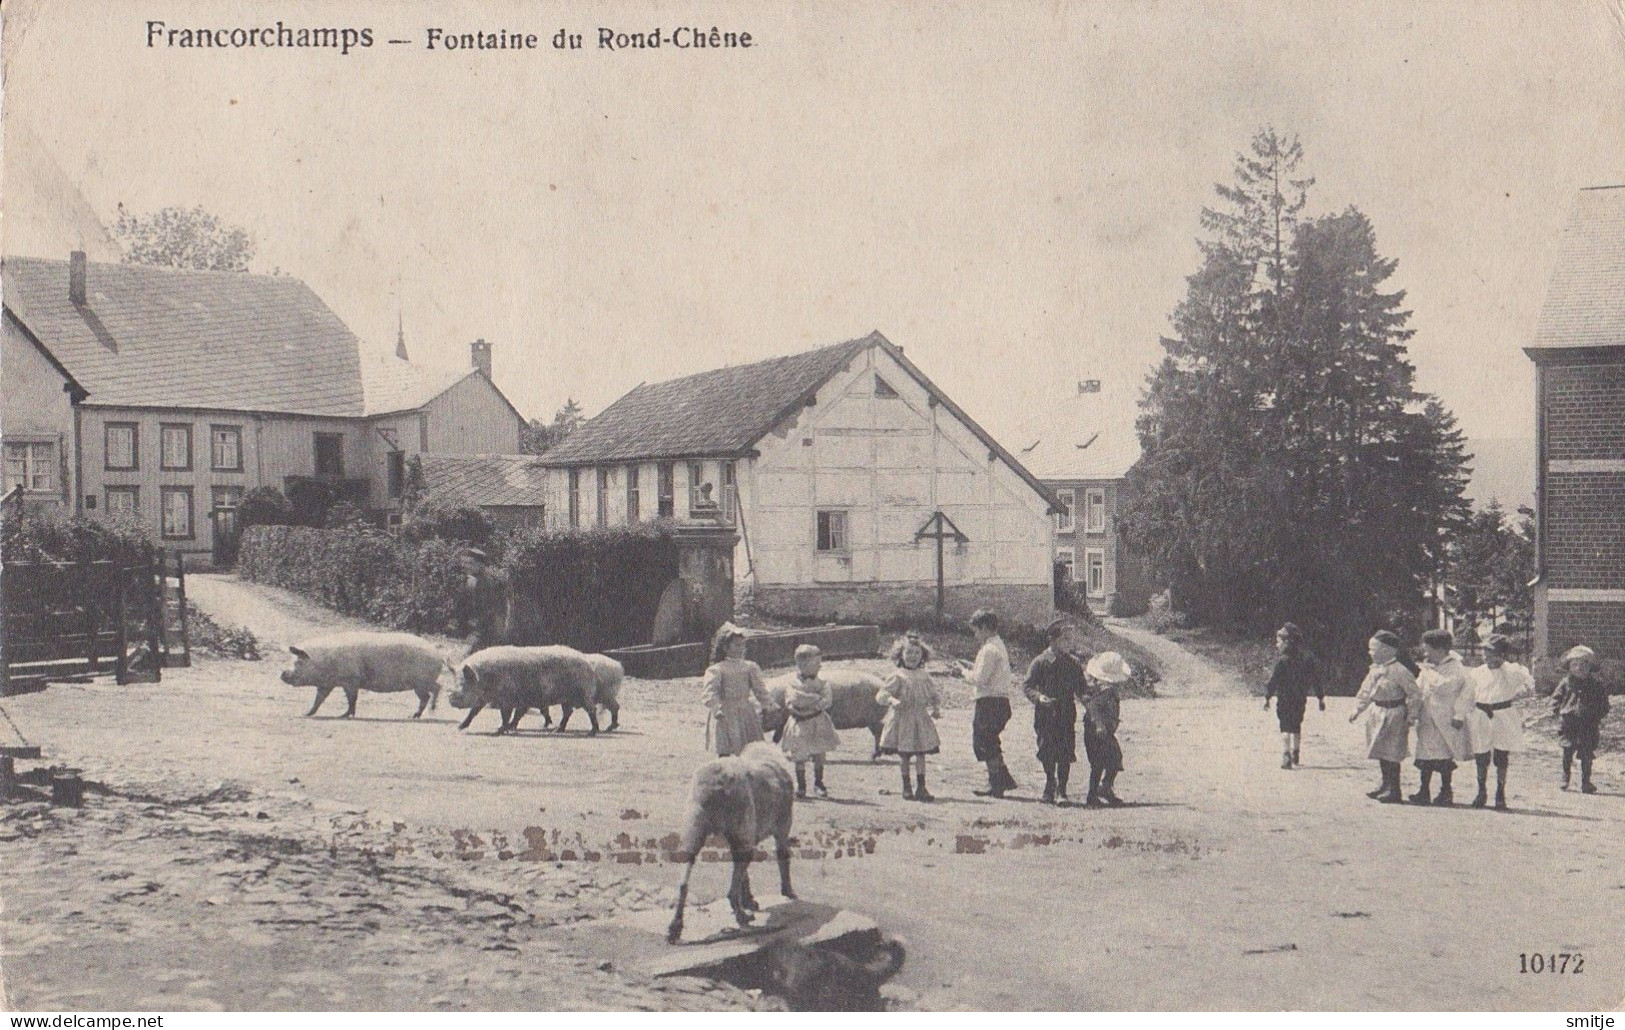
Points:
(876, 729)
(614, 717)
(592, 717)
(564, 716)
(478, 707)
(423, 702)
(321, 695)
(547, 716)
(350, 695)
(518, 713)
(782, 844)
(675, 930)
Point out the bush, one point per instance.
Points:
(205, 634)
(439, 517)
(1162, 616)
(593, 590)
(264, 506)
(346, 514)
(51, 536)
(309, 500)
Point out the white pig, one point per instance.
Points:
(357, 661)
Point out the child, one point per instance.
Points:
(994, 682)
(1496, 730)
(1580, 703)
(1441, 729)
(1391, 688)
(810, 733)
(733, 690)
(1055, 684)
(1290, 683)
(1101, 713)
(914, 705)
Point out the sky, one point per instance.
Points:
(1010, 191)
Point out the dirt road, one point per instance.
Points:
(1228, 882)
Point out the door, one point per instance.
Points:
(225, 535)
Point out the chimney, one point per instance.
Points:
(480, 352)
(1088, 386)
(76, 277)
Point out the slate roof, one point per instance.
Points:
(390, 384)
(718, 413)
(162, 337)
(724, 412)
(487, 480)
(1585, 304)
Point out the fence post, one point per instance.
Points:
(85, 572)
(180, 589)
(121, 659)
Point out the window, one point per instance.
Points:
(602, 499)
(175, 450)
(31, 465)
(226, 496)
(730, 489)
(123, 500)
(832, 531)
(175, 511)
(121, 446)
(1067, 559)
(883, 389)
(392, 523)
(330, 455)
(1064, 522)
(395, 474)
(1094, 512)
(226, 448)
(1097, 572)
(666, 489)
(633, 501)
(575, 498)
(696, 480)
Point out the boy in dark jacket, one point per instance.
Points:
(1580, 704)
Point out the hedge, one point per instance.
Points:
(368, 574)
(52, 536)
(592, 590)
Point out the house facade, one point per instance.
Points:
(1083, 453)
(833, 466)
(185, 389)
(1579, 356)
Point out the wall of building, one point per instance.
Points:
(34, 408)
(472, 418)
(558, 491)
(410, 434)
(1582, 521)
(888, 461)
(273, 447)
(893, 603)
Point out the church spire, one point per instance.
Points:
(400, 337)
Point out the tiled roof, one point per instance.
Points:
(486, 480)
(391, 384)
(722, 412)
(1080, 438)
(1585, 304)
(162, 337)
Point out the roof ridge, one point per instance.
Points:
(1615, 186)
(138, 266)
(751, 364)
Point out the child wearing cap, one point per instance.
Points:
(913, 706)
(1580, 704)
(1101, 713)
(1494, 728)
(1389, 690)
(1055, 685)
(1292, 679)
(810, 733)
(1441, 729)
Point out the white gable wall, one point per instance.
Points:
(888, 463)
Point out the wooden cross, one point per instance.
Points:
(940, 527)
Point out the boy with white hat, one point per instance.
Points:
(1580, 703)
(1495, 728)
(1102, 711)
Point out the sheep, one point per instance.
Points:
(744, 799)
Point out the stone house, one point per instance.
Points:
(833, 465)
(1083, 453)
(167, 394)
(1579, 356)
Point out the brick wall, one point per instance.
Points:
(1585, 411)
(865, 602)
(1584, 544)
(1600, 625)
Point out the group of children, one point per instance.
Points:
(1457, 713)
(1057, 683)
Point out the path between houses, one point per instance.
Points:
(1184, 674)
(277, 617)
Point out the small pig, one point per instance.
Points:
(607, 696)
(853, 703)
(357, 661)
(515, 679)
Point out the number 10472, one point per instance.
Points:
(1560, 962)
